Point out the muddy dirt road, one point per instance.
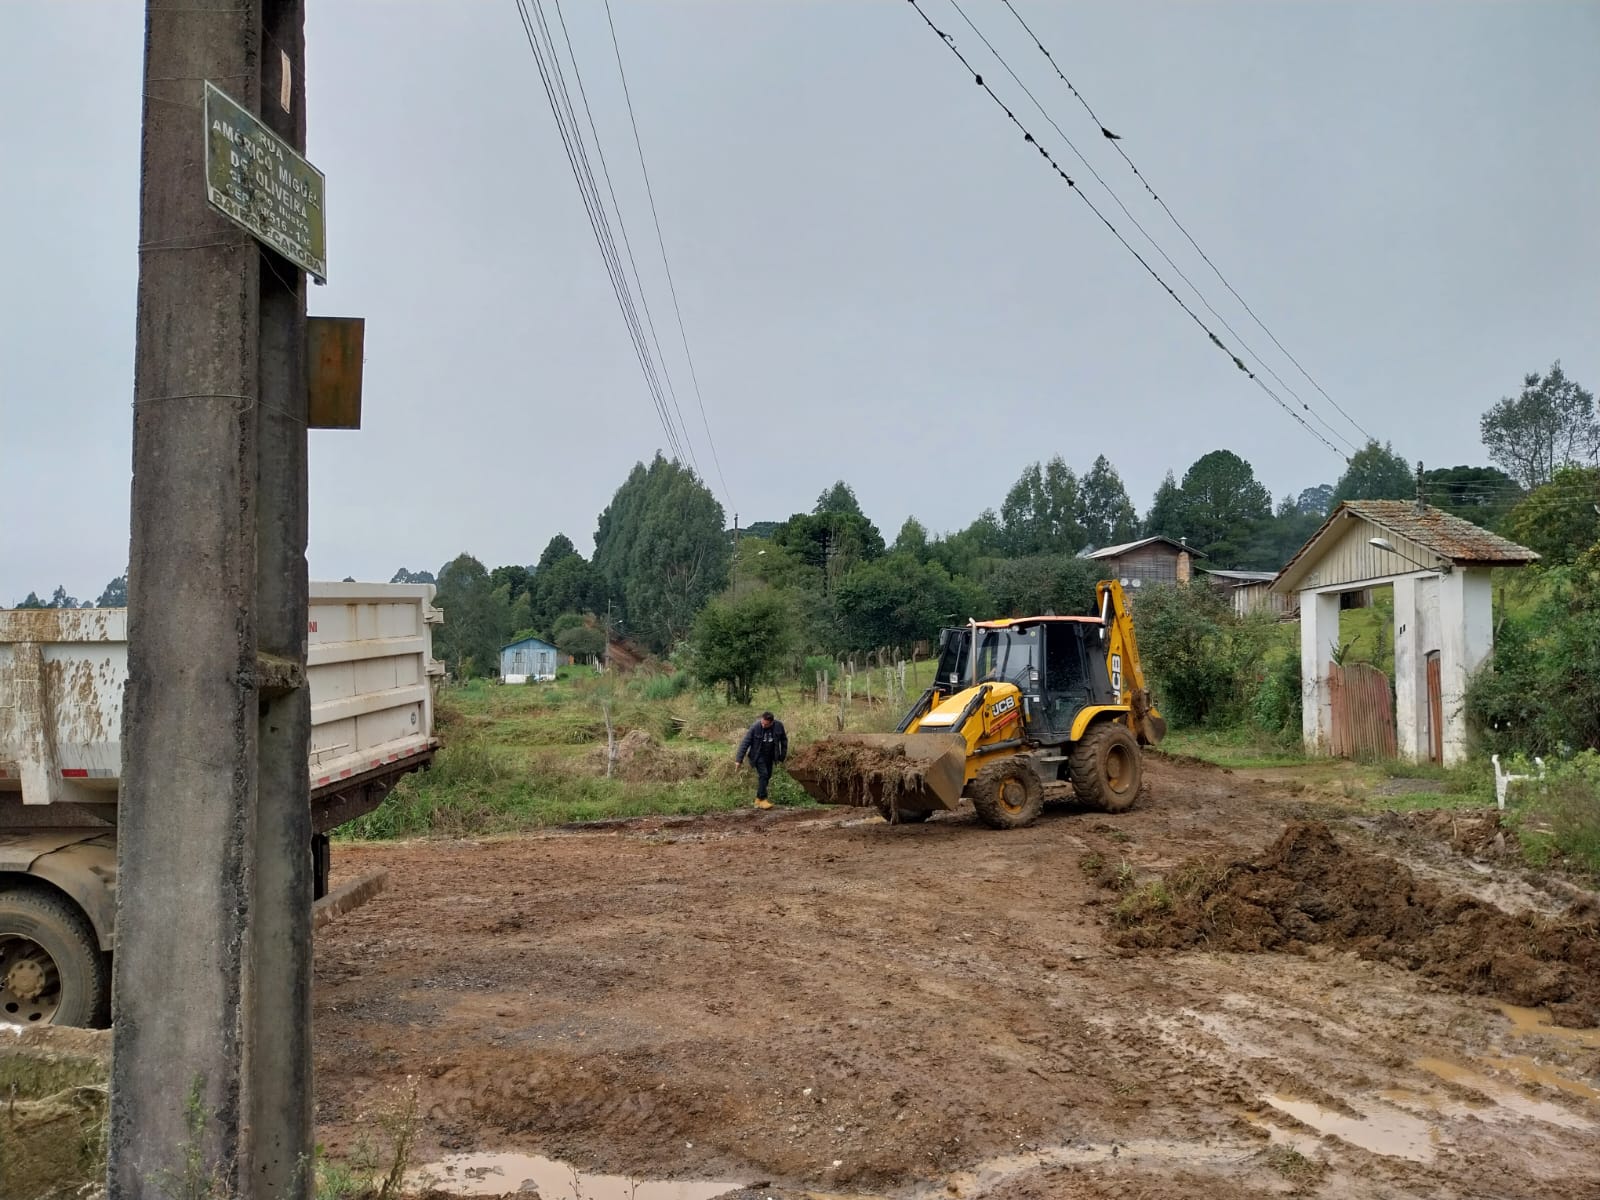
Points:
(831, 1004)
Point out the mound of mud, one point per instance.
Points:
(845, 770)
(642, 759)
(1309, 890)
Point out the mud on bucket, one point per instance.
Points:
(915, 771)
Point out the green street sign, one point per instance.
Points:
(258, 181)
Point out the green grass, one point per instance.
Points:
(1240, 747)
(532, 755)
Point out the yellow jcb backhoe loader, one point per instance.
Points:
(1014, 705)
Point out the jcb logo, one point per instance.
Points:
(1116, 674)
(1003, 706)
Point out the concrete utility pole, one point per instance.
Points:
(212, 973)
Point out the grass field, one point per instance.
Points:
(525, 756)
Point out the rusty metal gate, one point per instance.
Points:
(1363, 713)
(1435, 710)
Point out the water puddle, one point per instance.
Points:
(1530, 1022)
(502, 1174)
(1389, 1132)
(1508, 1097)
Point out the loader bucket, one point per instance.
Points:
(917, 772)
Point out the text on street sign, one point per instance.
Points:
(257, 180)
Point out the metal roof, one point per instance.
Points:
(1123, 548)
(527, 641)
(1453, 539)
(1243, 576)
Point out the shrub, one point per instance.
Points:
(818, 664)
(1560, 814)
(742, 642)
(1277, 703)
(1206, 662)
(1540, 694)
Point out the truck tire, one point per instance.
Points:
(1008, 794)
(52, 970)
(901, 816)
(1107, 768)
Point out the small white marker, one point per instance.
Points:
(286, 84)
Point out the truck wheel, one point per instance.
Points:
(52, 971)
(901, 816)
(1107, 768)
(1008, 794)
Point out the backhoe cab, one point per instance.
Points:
(1015, 704)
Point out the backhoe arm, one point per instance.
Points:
(1123, 665)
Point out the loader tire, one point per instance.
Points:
(901, 816)
(52, 970)
(1008, 794)
(1107, 768)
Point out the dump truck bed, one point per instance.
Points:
(369, 663)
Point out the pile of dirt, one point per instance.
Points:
(846, 770)
(640, 758)
(1475, 833)
(1309, 890)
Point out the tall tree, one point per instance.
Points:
(403, 575)
(840, 499)
(1165, 518)
(476, 618)
(962, 552)
(912, 539)
(558, 548)
(1062, 584)
(831, 542)
(661, 547)
(896, 601)
(1221, 499)
(568, 585)
(514, 578)
(1561, 519)
(1040, 513)
(1315, 501)
(1376, 473)
(1551, 424)
(1104, 510)
(32, 601)
(115, 595)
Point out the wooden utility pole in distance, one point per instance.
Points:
(211, 1068)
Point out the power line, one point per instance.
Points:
(590, 189)
(672, 287)
(560, 102)
(1137, 224)
(1116, 144)
(627, 242)
(1028, 137)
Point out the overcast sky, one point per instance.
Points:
(880, 281)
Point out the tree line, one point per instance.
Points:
(668, 573)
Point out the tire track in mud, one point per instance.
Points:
(765, 998)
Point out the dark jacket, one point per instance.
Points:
(764, 745)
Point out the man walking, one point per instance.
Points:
(767, 745)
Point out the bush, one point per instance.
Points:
(1277, 703)
(1205, 662)
(1559, 815)
(742, 642)
(1540, 694)
(817, 664)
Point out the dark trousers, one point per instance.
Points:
(763, 776)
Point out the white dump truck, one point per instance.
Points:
(370, 671)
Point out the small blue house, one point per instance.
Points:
(531, 658)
